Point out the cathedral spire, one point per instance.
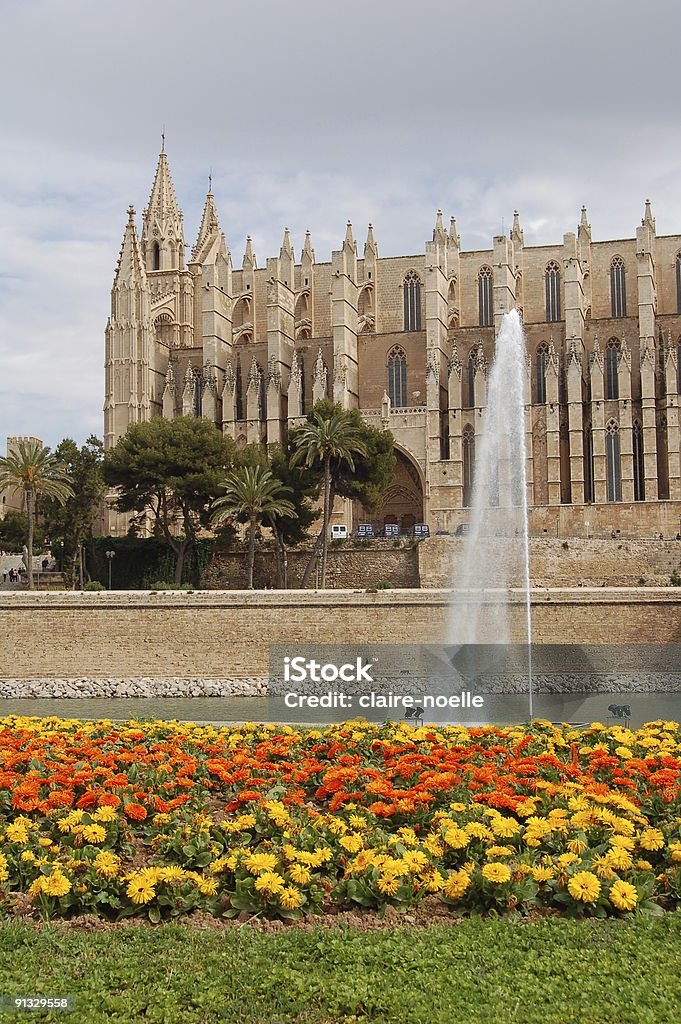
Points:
(584, 230)
(249, 255)
(308, 251)
(349, 237)
(162, 231)
(130, 268)
(286, 247)
(516, 231)
(454, 237)
(209, 231)
(370, 246)
(439, 233)
(648, 219)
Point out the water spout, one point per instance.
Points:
(496, 555)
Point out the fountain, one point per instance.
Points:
(496, 557)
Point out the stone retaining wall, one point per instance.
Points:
(226, 635)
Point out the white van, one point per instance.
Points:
(339, 532)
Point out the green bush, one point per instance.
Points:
(94, 585)
(384, 585)
(675, 579)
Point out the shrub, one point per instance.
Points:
(94, 585)
(384, 585)
(675, 579)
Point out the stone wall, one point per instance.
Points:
(347, 566)
(559, 563)
(217, 634)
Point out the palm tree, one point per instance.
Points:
(33, 469)
(252, 491)
(329, 439)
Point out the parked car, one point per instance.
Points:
(339, 531)
(462, 530)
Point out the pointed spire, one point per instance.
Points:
(249, 255)
(516, 231)
(162, 201)
(584, 230)
(439, 233)
(349, 237)
(454, 238)
(286, 247)
(370, 246)
(130, 267)
(648, 218)
(308, 251)
(208, 228)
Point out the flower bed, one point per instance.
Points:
(163, 818)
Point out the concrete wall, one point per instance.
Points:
(559, 563)
(219, 634)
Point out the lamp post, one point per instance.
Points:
(110, 555)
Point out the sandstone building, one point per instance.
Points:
(408, 340)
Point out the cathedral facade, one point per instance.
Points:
(408, 341)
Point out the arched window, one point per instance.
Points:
(411, 287)
(198, 393)
(678, 282)
(239, 391)
(540, 384)
(588, 464)
(485, 297)
(552, 282)
(241, 314)
(639, 471)
(155, 256)
(397, 378)
(470, 373)
(612, 357)
(618, 289)
(468, 464)
(613, 474)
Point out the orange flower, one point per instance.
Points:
(135, 812)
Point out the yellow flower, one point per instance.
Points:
(618, 859)
(388, 884)
(645, 865)
(173, 874)
(207, 886)
(456, 885)
(456, 838)
(566, 859)
(408, 836)
(623, 896)
(28, 856)
(299, 874)
(357, 821)
(498, 851)
(106, 864)
(269, 883)
(576, 846)
(675, 850)
(257, 863)
(93, 833)
(415, 860)
(290, 898)
(16, 832)
(140, 890)
(36, 887)
(504, 827)
(623, 842)
(476, 830)
(542, 874)
(109, 814)
(44, 842)
(336, 826)
(56, 884)
(497, 873)
(433, 879)
(352, 842)
(433, 845)
(651, 839)
(584, 886)
(603, 867)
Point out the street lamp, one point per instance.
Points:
(110, 556)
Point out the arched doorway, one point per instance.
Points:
(402, 503)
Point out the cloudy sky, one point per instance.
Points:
(309, 114)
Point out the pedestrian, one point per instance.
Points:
(45, 564)
(5, 574)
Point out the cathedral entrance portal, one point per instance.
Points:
(402, 500)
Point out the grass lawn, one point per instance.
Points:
(552, 971)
